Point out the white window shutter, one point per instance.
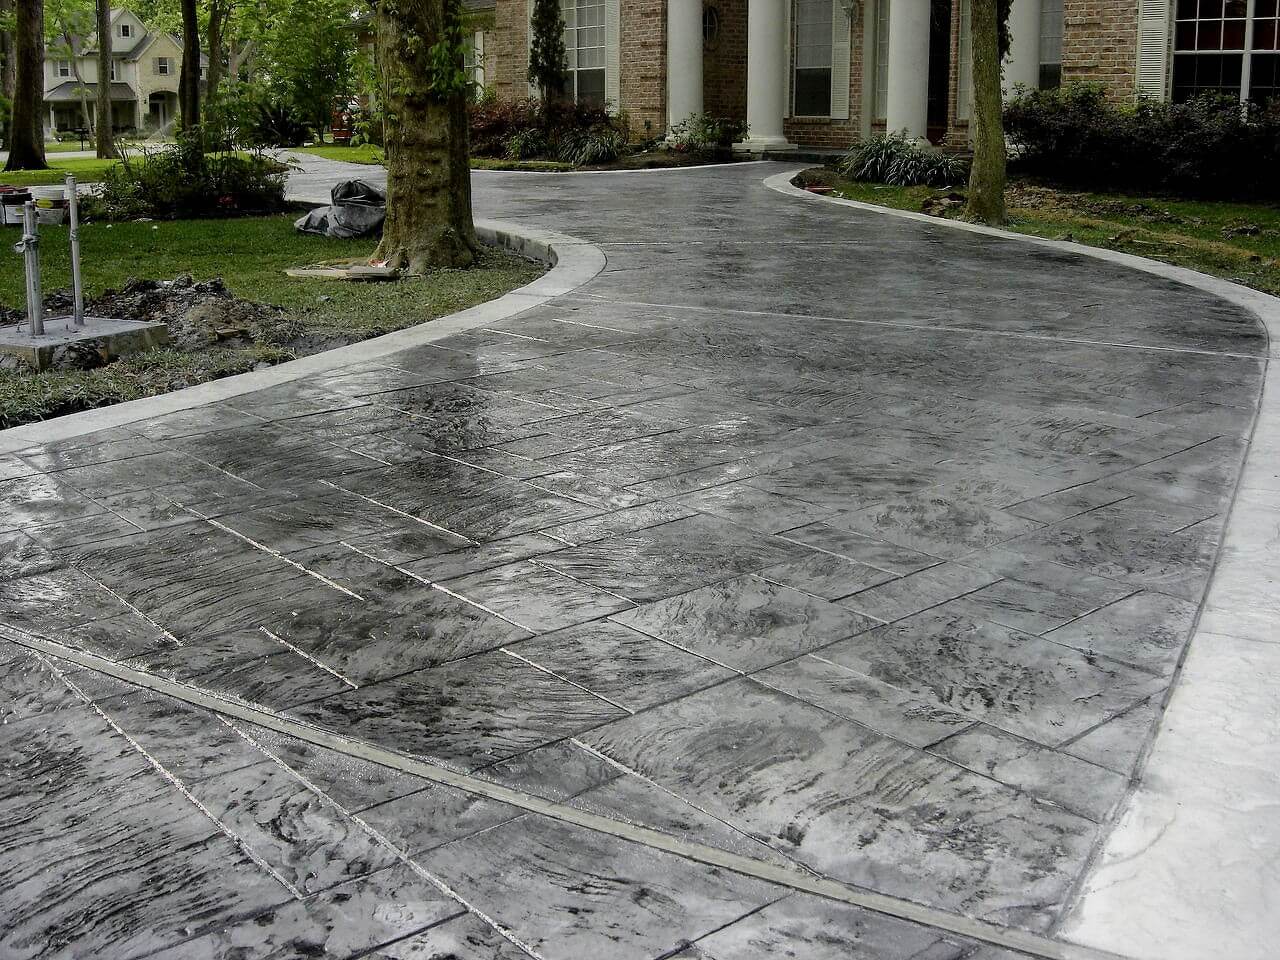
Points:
(613, 54)
(477, 45)
(1153, 48)
(841, 38)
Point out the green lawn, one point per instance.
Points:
(86, 170)
(1237, 241)
(251, 255)
(365, 153)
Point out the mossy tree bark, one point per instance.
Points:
(189, 78)
(428, 169)
(26, 138)
(104, 136)
(987, 175)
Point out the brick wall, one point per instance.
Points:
(724, 62)
(644, 66)
(1100, 44)
(507, 49)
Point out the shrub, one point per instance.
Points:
(591, 145)
(183, 180)
(529, 130)
(277, 125)
(706, 136)
(1209, 147)
(895, 160)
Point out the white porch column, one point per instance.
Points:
(908, 94)
(1023, 64)
(684, 60)
(766, 76)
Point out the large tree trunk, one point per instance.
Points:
(6, 53)
(428, 170)
(987, 176)
(189, 78)
(218, 10)
(105, 137)
(26, 141)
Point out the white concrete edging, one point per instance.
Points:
(573, 263)
(1192, 867)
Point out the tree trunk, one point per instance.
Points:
(428, 170)
(81, 90)
(987, 175)
(217, 19)
(6, 53)
(105, 137)
(26, 141)
(240, 59)
(189, 78)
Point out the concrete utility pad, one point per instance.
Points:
(107, 337)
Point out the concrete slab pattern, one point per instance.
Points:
(757, 539)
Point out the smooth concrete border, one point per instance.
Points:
(573, 263)
(1192, 866)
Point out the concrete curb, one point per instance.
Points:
(573, 263)
(1190, 869)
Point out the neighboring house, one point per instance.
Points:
(144, 78)
(826, 73)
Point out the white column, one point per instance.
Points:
(766, 76)
(684, 60)
(1022, 67)
(908, 93)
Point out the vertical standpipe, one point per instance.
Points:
(77, 288)
(31, 256)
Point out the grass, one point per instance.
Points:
(1236, 241)
(365, 153)
(251, 255)
(86, 170)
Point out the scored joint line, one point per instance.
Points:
(1006, 937)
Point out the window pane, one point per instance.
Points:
(813, 92)
(591, 87)
(813, 33)
(1204, 73)
(1210, 9)
(1186, 9)
(882, 59)
(1233, 35)
(1264, 35)
(1051, 32)
(1264, 77)
(1210, 36)
(1264, 8)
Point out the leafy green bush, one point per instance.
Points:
(277, 124)
(185, 181)
(901, 162)
(1211, 146)
(592, 145)
(706, 136)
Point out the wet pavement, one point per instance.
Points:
(838, 542)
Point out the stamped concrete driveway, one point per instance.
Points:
(861, 550)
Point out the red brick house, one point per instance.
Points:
(825, 73)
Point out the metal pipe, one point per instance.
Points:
(77, 288)
(31, 251)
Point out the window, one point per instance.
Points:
(162, 66)
(1224, 46)
(113, 72)
(811, 90)
(584, 42)
(125, 30)
(964, 65)
(473, 62)
(882, 60)
(1050, 44)
(64, 68)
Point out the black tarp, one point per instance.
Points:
(357, 209)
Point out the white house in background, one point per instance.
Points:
(144, 78)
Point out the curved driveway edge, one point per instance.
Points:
(573, 262)
(1192, 868)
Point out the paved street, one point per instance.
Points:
(857, 548)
